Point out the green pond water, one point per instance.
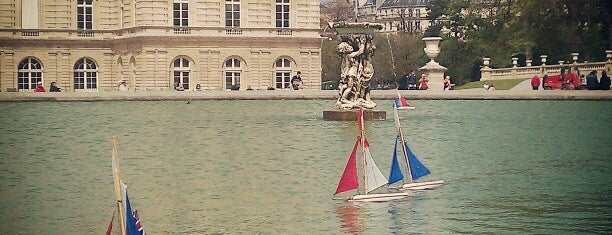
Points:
(271, 167)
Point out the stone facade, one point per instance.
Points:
(91, 45)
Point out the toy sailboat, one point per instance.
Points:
(414, 167)
(372, 177)
(401, 103)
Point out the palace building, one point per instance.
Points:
(156, 45)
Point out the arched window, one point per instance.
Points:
(85, 75)
(181, 70)
(233, 70)
(29, 73)
(282, 73)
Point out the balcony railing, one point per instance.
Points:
(29, 33)
(233, 31)
(155, 31)
(182, 31)
(85, 34)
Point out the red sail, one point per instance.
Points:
(404, 102)
(349, 179)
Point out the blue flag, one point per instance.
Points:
(132, 222)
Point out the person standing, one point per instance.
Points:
(604, 81)
(423, 82)
(412, 81)
(296, 80)
(39, 87)
(403, 83)
(591, 81)
(535, 82)
(544, 81)
(447, 83)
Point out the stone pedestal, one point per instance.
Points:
(434, 72)
(351, 115)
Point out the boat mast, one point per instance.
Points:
(401, 134)
(362, 133)
(118, 187)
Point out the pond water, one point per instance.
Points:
(271, 167)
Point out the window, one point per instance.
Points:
(418, 13)
(84, 16)
(282, 73)
(181, 13)
(282, 13)
(233, 70)
(232, 13)
(85, 75)
(29, 73)
(181, 71)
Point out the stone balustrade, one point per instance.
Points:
(140, 31)
(526, 72)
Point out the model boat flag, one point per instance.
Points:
(109, 229)
(132, 222)
(360, 119)
(401, 103)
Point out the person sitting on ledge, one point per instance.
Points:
(39, 87)
(179, 87)
(54, 88)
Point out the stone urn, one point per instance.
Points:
(433, 71)
(432, 48)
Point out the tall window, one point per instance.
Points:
(29, 73)
(418, 13)
(181, 13)
(233, 70)
(84, 15)
(181, 70)
(282, 13)
(232, 13)
(282, 73)
(85, 75)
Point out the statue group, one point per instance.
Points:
(356, 72)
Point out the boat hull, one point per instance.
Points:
(405, 107)
(422, 185)
(378, 197)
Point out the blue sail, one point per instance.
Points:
(417, 169)
(396, 173)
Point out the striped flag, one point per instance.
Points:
(132, 221)
(360, 119)
(110, 225)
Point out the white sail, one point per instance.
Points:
(375, 178)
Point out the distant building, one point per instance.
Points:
(87, 45)
(397, 15)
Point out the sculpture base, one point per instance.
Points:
(351, 115)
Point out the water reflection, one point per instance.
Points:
(349, 215)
